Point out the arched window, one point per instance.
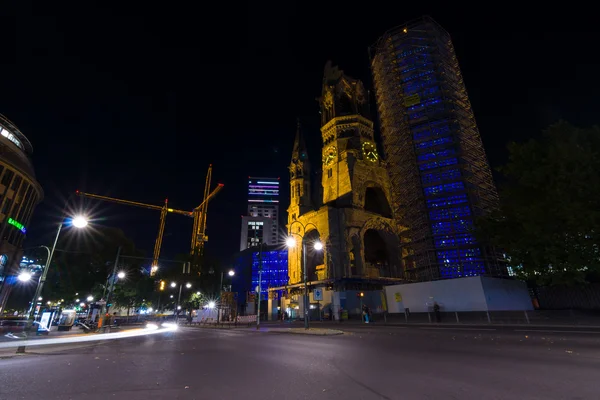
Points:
(376, 202)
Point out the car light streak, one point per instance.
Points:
(90, 337)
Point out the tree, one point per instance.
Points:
(550, 206)
(84, 260)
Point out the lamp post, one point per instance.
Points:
(291, 243)
(231, 273)
(173, 285)
(78, 222)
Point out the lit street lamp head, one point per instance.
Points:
(211, 304)
(24, 276)
(121, 275)
(90, 298)
(188, 285)
(290, 242)
(79, 221)
(231, 273)
(173, 284)
(318, 245)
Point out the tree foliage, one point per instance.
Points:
(84, 260)
(549, 217)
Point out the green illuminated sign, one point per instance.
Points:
(17, 224)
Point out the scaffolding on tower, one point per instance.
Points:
(431, 142)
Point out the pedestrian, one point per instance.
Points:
(189, 318)
(365, 313)
(436, 311)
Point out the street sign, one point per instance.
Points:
(318, 294)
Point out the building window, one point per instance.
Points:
(329, 173)
(7, 177)
(16, 183)
(7, 206)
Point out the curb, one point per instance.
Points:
(330, 332)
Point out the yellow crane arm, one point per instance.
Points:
(132, 203)
(211, 195)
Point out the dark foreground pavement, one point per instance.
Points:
(378, 363)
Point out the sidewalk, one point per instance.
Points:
(381, 323)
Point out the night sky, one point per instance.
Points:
(135, 101)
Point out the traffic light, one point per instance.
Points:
(162, 285)
(360, 294)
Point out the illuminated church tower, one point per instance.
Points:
(354, 223)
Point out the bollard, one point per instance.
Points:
(429, 316)
(526, 316)
(488, 317)
(456, 314)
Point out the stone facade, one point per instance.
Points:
(353, 220)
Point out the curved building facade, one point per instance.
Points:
(19, 195)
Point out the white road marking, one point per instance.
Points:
(460, 329)
(542, 330)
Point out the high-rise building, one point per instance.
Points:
(440, 177)
(261, 224)
(20, 193)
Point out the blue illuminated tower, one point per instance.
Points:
(440, 178)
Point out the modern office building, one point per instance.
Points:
(19, 195)
(261, 224)
(274, 263)
(440, 177)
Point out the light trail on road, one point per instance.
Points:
(91, 338)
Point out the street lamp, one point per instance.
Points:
(121, 275)
(230, 273)
(318, 246)
(24, 276)
(78, 222)
(174, 284)
(90, 298)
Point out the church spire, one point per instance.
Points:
(299, 178)
(299, 152)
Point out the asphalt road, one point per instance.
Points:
(365, 363)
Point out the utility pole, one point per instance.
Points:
(110, 291)
(258, 297)
(305, 285)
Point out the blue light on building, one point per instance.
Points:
(274, 269)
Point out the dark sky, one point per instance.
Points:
(136, 100)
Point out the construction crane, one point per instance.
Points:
(198, 214)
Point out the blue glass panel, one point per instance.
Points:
(431, 143)
(445, 228)
(434, 177)
(449, 213)
(447, 201)
(447, 187)
(436, 154)
(438, 164)
(451, 241)
(274, 269)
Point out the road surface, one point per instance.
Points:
(364, 363)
